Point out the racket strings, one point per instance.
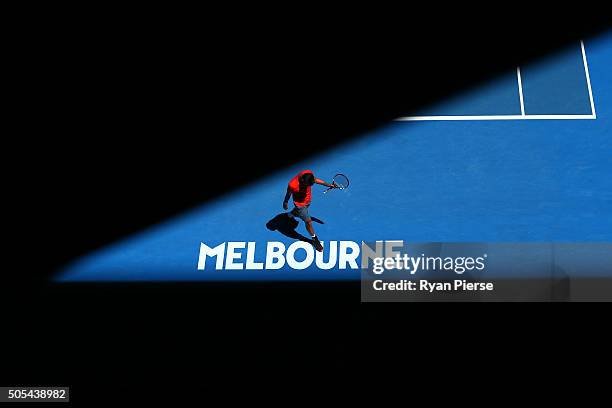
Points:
(341, 181)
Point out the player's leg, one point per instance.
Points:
(293, 222)
(310, 229)
(302, 212)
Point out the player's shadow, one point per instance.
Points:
(286, 226)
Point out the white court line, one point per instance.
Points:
(588, 78)
(522, 116)
(520, 86)
(494, 117)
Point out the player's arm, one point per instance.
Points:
(323, 183)
(286, 200)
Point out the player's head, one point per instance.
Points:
(307, 179)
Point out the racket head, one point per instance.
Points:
(341, 181)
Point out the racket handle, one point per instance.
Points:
(331, 188)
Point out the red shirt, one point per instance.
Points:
(301, 198)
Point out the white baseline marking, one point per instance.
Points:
(522, 116)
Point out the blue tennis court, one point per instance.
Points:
(469, 169)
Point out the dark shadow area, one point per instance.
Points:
(286, 226)
(315, 219)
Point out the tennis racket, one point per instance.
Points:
(339, 181)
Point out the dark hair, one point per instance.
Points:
(307, 179)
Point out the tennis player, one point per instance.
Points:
(299, 187)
